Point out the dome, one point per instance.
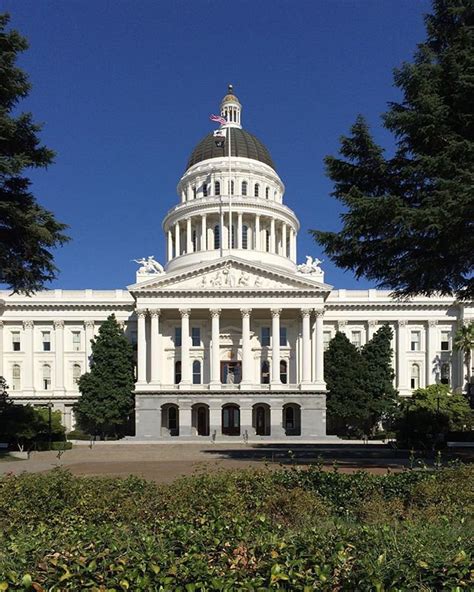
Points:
(243, 145)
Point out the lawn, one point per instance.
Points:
(252, 530)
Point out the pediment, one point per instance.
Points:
(229, 274)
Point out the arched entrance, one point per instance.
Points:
(292, 419)
(261, 419)
(200, 419)
(170, 420)
(231, 420)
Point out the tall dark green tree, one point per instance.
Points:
(382, 395)
(345, 373)
(107, 401)
(28, 232)
(409, 220)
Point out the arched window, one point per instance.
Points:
(204, 190)
(256, 190)
(177, 372)
(445, 373)
(415, 376)
(172, 417)
(284, 372)
(290, 417)
(217, 188)
(265, 372)
(46, 377)
(244, 187)
(76, 373)
(245, 237)
(16, 377)
(267, 192)
(196, 372)
(217, 237)
(267, 240)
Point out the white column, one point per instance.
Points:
(177, 243)
(292, 245)
(203, 233)
(272, 236)
(215, 345)
(402, 376)
(89, 335)
(247, 378)
(28, 327)
(155, 343)
(275, 376)
(59, 355)
(313, 348)
(141, 347)
(1, 349)
(319, 377)
(239, 230)
(170, 245)
(306, 313)
(189, 237)
(372, 329)
(431, 348)
(257, 246)
(283, 240)
(185, 357)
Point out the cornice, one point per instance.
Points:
(68, 306)
(387, 306)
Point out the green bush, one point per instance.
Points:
(59, 445)
(238, 531)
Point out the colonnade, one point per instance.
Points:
(196, 233)
(311, 343)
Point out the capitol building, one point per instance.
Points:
(230, 331)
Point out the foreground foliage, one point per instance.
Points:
(241, 530)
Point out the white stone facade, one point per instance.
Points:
(230, 336)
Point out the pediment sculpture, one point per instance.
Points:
(228, 277)
(311, 266)
(149, 265)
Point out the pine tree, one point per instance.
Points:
(345, 373)
(382, 395)
(107, 400)
(28, 231)
(408, 223)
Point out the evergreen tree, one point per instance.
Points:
(408, 223)
(28, 231)
(345, 373)
(382, 395)
(107, 400)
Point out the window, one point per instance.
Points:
(76, 340)
(256, 190)
(326, 339)
(172, 418)
(196, 372)
(267, 192)
(16, 377)
(356, 338)
(177, 336)
(267, 241)
(415, 377)
(233, 236)
(16, 343)
(445, 341)
(177, 372)
(134, 339)
(232, 188)
(204, 190)
(265, 336)
(244, 187)
(245, 237)
(283, 337)
(194, 240)
(284, 372)
(217, 188)
(265, 373)
(76, 373)
(415, 341)
(217, 237)
(194, 192)
(46, 339)
(445, 373)
(46, 377)
(196, 336)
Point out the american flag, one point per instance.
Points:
(218, 119)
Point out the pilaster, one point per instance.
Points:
(59, 356)
(215, 347)
(28, 328)
(185, 347)
(431, 348)
(155, 344)
(275, 367)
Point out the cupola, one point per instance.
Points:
(231, 108)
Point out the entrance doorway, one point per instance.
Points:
(231, 420)
(261, 420)
(200, 419)
(231, 372)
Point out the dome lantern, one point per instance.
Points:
(231, 108)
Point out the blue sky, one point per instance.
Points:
(124, 89)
